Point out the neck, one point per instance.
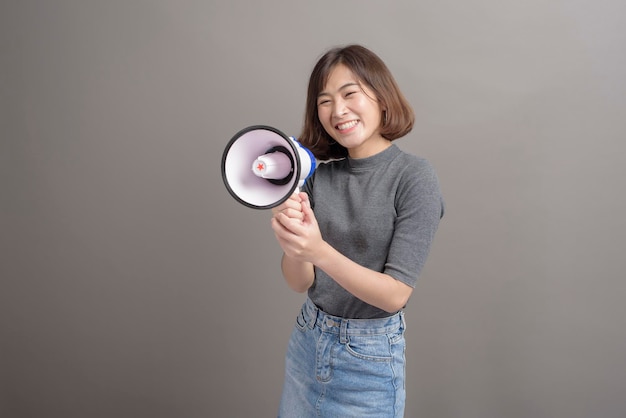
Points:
(369, 149)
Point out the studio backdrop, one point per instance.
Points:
(133, 283)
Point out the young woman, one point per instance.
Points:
(355, 239)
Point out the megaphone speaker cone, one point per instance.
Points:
(262, 167)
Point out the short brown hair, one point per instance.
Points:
(371, 71)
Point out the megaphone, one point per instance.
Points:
(262, 167)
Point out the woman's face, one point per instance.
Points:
(351, 114)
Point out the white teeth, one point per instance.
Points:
(347, 125)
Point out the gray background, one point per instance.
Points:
(133, 285)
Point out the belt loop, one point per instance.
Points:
(313, 311)
(343, 332)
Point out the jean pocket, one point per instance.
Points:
(371, 348)
(397, 336)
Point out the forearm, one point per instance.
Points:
(377, 289)
(299, 275)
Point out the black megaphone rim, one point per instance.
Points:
(297, 165)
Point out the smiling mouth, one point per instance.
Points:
(347, 125)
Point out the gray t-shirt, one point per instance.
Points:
(382, 212)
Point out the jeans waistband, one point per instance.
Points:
(346, 327)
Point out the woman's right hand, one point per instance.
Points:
(291, 207)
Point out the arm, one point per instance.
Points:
(377, 289)
(299, 275)
(300, 238)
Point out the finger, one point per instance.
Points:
(282, 234)
(293, 202)
(309, 216)
(286, 239)
(286, 223)
(293, 213)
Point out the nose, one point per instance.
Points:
(339, 108)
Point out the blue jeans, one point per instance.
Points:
(338, 367)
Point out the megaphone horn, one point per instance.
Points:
(262, 167)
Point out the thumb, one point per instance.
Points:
(309, 216)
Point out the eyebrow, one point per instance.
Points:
(350, 84)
